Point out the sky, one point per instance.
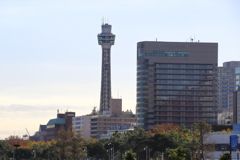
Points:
(50, 58)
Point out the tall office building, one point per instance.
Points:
(236, 106)
(106, 40)
(237, 77)
(176, 83)
(226, 83)
(226, 87)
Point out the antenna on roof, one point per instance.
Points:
(191, 39)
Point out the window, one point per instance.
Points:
(165, 54)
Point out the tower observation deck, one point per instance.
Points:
(106, 40)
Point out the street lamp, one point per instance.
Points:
(13, 154)
(16, 145)
(146, 151)
(198, 152)
(112, 149)
(85, 150)
(149, 150)
(109, 153)
(222, 149)
(34, 153)
(237, 154)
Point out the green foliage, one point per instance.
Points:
(158, 155)
(98, 149)
(24, 153)
(4, 148)
(136, 140)
(177, 154)
(70, 144)
(130, 155)
(225, 156)
(160, 142)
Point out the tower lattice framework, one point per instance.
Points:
(106, 40)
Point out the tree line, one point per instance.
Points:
(166, 141)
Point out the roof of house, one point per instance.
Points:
(57, 121)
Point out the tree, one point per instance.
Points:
(160, 142)
(201, 140)
(158, 155)
(24, 153)
(69, 144)
(12, 140)
(166, 128)
(77, 145)
(136, 140)
(63, 144)
(130, 155)
(177, 154)
(225, 156)
(97, 149)
(4, 148)
(40, 148)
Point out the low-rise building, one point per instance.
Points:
(122, 128)
(95, 124)
(63, 120)
(82, 123)
(100, 124)
(222, 145)
(42, 132)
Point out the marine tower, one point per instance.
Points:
(106, 40)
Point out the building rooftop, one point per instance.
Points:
(57, 121)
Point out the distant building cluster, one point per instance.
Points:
(177, 82)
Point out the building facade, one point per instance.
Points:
(226, 86)
(237, 74)
(63, 120)
(176, 83)
(226, 83)
(42, 132)
(236, 106)
(222, 145)
(100, 124)
(82, 123)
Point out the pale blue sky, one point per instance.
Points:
(50, 59)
